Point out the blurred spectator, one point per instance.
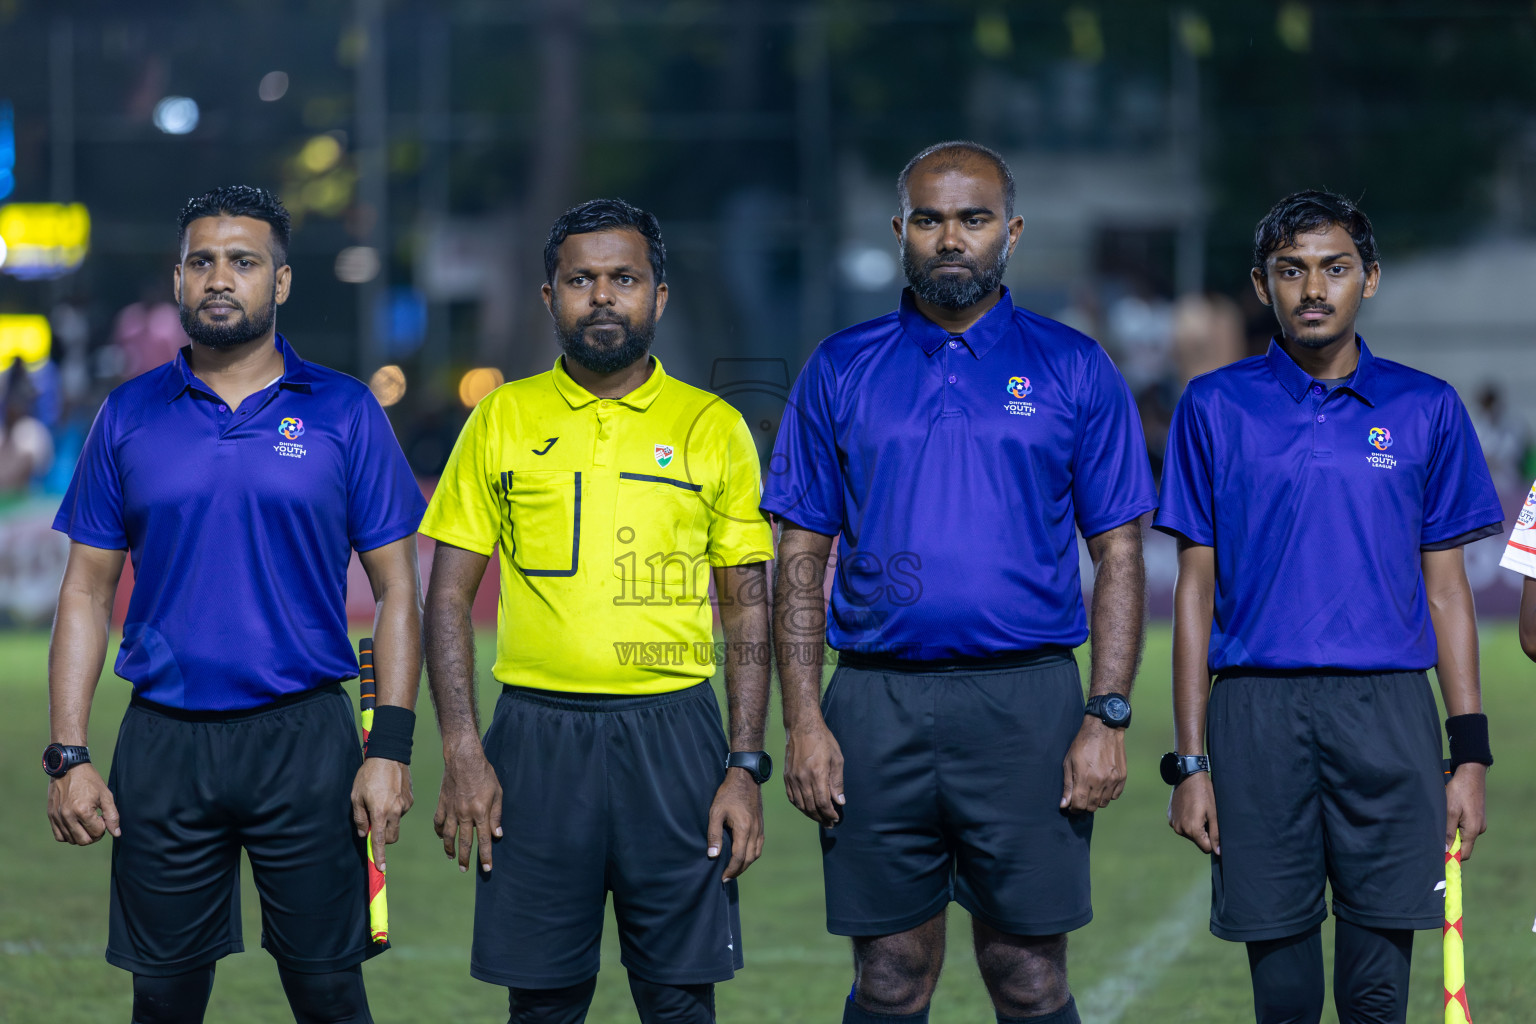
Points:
(1085, 313)
(147, 333)
(1140, 329)
(26, 447)
(1505, 438)
(1206, 332)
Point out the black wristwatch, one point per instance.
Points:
(58, 759)
(1175, 767)
(757, 763)
(1113, 709)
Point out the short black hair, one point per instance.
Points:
(954, 153)
(606, 215)
(240, 201)
(1308, 210)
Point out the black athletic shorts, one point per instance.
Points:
(953, 781)
(605, 794)
(1325, 778)
(193, 788)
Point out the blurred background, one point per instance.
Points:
(425, 147)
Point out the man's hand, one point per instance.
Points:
(1192, 812)
(1093, 772)
(813, 772)
(381, 794)
(80, 807)
(738, 806)
(1464, 806)
(469, 804)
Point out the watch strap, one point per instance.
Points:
(59, 758)
(756, 763)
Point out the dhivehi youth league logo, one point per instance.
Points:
(1380, 438)
(291, 427)
(1019, 387)
(663, 455)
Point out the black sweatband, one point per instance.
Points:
(1468, 736)
(391, 734)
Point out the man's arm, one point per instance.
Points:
(381, 792)
(80, 807)
(1528, 618)
(1455, 621)
(742, 592)
(1094, 768)
(1192, 808)
(813, 762)
(469, 803)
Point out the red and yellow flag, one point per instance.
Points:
(1456, 1009)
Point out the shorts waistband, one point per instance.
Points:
(236, 714)
(1317, 673)
(1040, 657)
(601, 702)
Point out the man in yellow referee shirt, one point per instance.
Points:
(613, 493)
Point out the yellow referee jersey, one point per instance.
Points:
(609, 513)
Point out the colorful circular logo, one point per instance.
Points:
(1380, 438)
(292, 428)
(1019, 387)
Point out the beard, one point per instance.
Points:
(605, 359)
(1319, 342)
(960, 290)
(235, 332)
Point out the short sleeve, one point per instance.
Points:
(1111, 475)
(1459, 495)
(804, 483)
(1185, 505)
(384, 502)
(738, 533)
(92, 510)
(1520, 552)
(464, 509)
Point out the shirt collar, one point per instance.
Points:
(639, 399)
(979, 338)
(1297, 381)
(297, 375)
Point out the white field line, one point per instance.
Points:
(1142, 967)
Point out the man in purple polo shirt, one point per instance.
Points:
(1321, 497)
(955, 447)
(239, 478)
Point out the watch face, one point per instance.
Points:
(53, 759)
(1117, 709)
(764, 768)
(1169, 768)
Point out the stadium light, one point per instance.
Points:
(273, 87)
(478, 383)
(7, 153)
(43, 240)
(387, 385)
(24, 336)
(176, 115)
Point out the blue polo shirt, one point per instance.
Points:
(241, 524)
(1318, 502)
(956, 471)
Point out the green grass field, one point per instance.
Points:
(1146, 958)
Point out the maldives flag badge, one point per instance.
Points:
(663, 455)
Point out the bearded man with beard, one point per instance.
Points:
(955, 447)
(614, 493)
(241, 478)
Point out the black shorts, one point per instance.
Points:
(953, 782)
(192, 789)
(605, 794)
(1325, 778)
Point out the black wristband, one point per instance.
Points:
(1468, 736)
(391, 734)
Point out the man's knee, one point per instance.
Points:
(895, 975)
(672, 1004)
(566, 1005)
(1025, 975)
(1370, 973)
(179, 999)
(334, 998)
(1288, 978)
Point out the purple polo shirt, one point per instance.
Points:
(241, 524)
(956, 471)
(1319, 503)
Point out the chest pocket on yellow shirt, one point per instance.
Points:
(653, 540)
(544, 519)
